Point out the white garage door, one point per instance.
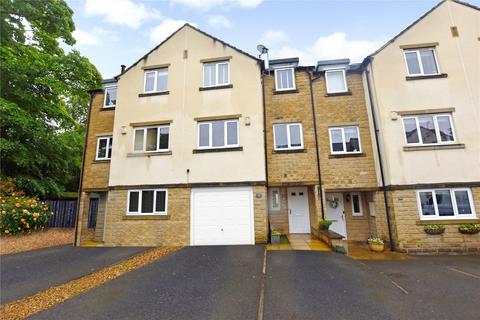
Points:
(222, 216)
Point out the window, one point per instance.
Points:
(110, 97)
(147, 202)
(336, 81)
(104, 148)
(428, 129)
(356, 204)
(284, 79)
(288, 136)
(274, 199)
(151, 139)
(156, 80)
(441, 204)
(218, 134)
(216, 73)
(344, 140)
(421, 62)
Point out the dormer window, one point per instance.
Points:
(156, 80)
(336, 81)
(110, 97)
(421, 62)
(284, 79)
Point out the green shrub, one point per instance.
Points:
(276, 233)
(469, 228)
(19, 213)
(375, 241)
(434, 228)
(340, 249)
(324, 224)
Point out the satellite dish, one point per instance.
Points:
(262, 49)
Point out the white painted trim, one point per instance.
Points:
(105, 97)
(357, 214)
(419, 60)
(109, 145)
(344, 80)
(456, 215)
(289, 143)
(437, 131)
(270, 199)
(344, 142)
(292, 69)
(216, 64)
(156, 72)
(144, 129)
(140, 196)
(226, 145)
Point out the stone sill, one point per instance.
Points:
(228, 86)
(347, 155)
(151, 94)
(432, 76)
(107, 109)
(337, 94)
(435, 147)
(147, 217)
(101, 161)
(148, 154)
(290, 151)
(217, 150)
(285, 91)
(453, 221)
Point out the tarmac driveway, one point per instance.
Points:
(26, 273)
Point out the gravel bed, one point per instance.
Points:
(39, 239)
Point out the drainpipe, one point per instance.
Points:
(310, 77)
(382, 176)
(262, 79)
(83, 169)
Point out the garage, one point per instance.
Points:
(222, 216)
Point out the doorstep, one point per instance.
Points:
(300, 242)
(91, 243)
(358, 250)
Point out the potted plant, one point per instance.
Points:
(469, 228)
(434, 229)
(324, 224)
(275, 237)
(376, 244)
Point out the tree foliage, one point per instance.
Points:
(43, 96)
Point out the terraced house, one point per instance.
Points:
(175, 149)
(425, 90)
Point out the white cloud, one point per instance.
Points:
(272, 38)
(332, 46)
(121, 12)
(95, 37)
(219, 21)
(205, 5)
(165, 29)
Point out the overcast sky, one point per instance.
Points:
(115, 32)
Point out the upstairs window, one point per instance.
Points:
(110, 97)
(428, 129)
(147, 202)
(156, 80)
(421, 62)
(441, 204)
(284, 79)
(288, 136)
(104, 148)
(151, 139)
(216, 73)
(218, 134)
(344, 140)
(336, 81)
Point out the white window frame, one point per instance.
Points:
(270, 201)
(210, 126)
(216, 63)
(139, 211)
(437, 131)
(156, 71)
(456, 215)
(292, 70)
(417, 51)
(357, 214)
(109, 145)
(105, 97)
(145, 138)
(344, 79)
(289, 142)
(344, 142)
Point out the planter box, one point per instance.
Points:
(275, 239)
(438, 231)
(469, 231)
(376, 247)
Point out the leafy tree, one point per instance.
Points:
(43, 96)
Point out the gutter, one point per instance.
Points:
(92, 92)
(311, 80)
(382, 175)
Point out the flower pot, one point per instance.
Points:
(275, 239)
(471, 231)
(376, 247)
(434, 231)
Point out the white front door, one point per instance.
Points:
(335, 212)
(222, 216)
(298, 213)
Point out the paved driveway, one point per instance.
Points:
(26, 273)
(225, 283)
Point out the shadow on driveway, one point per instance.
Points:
(26, 273)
